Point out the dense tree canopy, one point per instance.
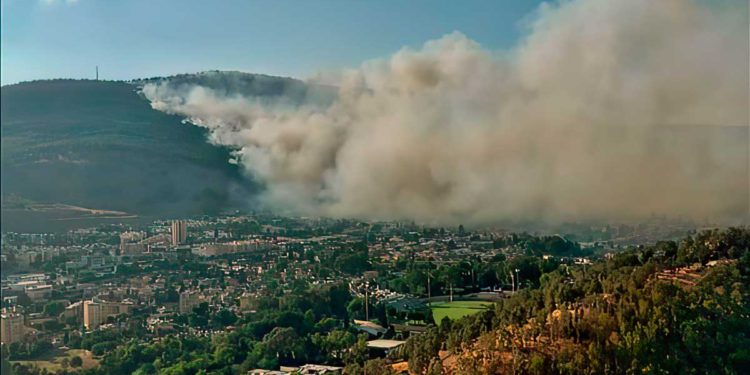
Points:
(630, 314)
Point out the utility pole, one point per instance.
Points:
(429, 303)
(97, 72)
(367, 304)
(473, 276)
(518, 280)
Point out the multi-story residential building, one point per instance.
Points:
(96, 312)
(74, 310)
(11, 327)
(179, 232)
(188, 301)
(92, 314)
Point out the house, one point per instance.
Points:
(382, 348)
(370, 328)
(310, 369)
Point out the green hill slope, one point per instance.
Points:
(100, 145)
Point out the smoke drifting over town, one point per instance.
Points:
(605, 110)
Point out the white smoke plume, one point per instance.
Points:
(615, 109)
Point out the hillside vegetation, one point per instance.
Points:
(100, 145)
(670, 308)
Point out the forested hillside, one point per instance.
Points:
(100, 145)
(670, 308)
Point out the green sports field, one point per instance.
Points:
(457, 309)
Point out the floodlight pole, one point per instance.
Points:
(367, 307)
(429, 303)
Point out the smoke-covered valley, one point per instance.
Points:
(604, 110)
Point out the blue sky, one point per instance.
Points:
(143, 38)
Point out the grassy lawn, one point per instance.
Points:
(457, 309)
(53, 361)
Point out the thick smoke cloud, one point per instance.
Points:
(605, 110)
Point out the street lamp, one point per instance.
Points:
(367, 307)
(518, 280)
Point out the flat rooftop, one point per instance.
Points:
(385, 344)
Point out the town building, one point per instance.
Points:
(11, 327)
(39, 292)
(92, 314)
(74, 310)
(96, 312)
(188, 301)
(179, 232)
(132, 248)
(381, 347)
